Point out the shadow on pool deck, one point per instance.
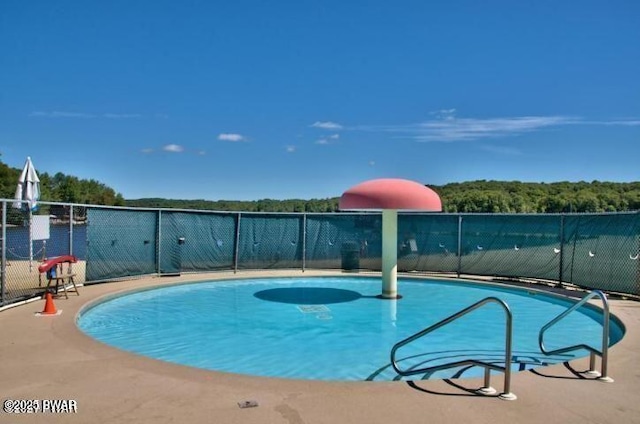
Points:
(50, 358)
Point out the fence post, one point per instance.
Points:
(237, 246)
(459, 245)
(71, 229)
(159, 243)
(304, 240)
(637, 259)
(561, 271)
(3, 271)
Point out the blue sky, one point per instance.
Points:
(247, 100)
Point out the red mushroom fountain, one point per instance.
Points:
(390, 195)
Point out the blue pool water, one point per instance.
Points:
(335, 328)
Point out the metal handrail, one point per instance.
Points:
(603, 353)
(488, 366)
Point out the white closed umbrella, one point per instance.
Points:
(27, 196)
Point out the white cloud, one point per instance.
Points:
(328, 140)
(202, 153)
(445, 127)
(450, 129)
(372, 163)
(231, 137)
(326, 125)
(459, 129)
(620, 122)
(147, 151)
(446, 114)
(291, 149)
(173, 148)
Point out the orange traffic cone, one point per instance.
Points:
(49, 306)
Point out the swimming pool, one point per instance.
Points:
(335, 328)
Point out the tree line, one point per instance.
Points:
(473, 196)
(263, 205)
(61, 188)
(521, 197)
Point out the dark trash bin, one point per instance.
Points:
(350, 256)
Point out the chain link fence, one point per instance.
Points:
(596, 251)
(28, 238)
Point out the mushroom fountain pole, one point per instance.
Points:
(390, 195)
(390, 254)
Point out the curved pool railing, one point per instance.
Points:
(603, 353)
(488, 366)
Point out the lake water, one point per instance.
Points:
(58, 243)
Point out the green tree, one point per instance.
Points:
(62, 188)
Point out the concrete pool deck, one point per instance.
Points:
(50, 358)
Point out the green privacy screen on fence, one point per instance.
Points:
(270, 241)
(343, 241)
(601, 251)
(511, 245)
(196, 241)
(593, 251)
(428, 243)
(120, 243)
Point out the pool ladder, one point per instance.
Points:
(506, 369)
(603, 353)
(488, 366)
